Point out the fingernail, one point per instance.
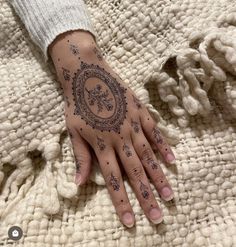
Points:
(78, 179)
(127, 219)
(170, 158)
(167, 194)
(156, 215)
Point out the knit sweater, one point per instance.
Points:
(44, 20)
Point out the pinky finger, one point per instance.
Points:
(82, 156)
(156, 138)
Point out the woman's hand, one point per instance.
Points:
(104, 115)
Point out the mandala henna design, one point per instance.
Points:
(137, 102)
(157, 135)
(144, 189)
(135, 125)
(74, 49)
(108, 119)
(100, 97)
(127, 150)
(147, 156)
(114, 182)
(100, 143)
(98, 53)
(66, 74)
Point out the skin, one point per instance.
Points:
(104, 115)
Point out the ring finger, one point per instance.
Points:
(139, 181)
(151, 165)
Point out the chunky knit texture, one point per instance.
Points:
(180, 59)
(46, 19)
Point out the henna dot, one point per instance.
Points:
(79, 57)
(58, 60)
(151, 205)
(166, 149)
(121, 200)
(118, 132)
(148, 118)
(122, 137)
(81, 129)
(135, 170)
(161, 181)
(108, 163)
(68, 40)
(144, 145)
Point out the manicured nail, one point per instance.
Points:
(170, 158)
(78, 179)
(127, 219)
(167, 194)
(155, 216)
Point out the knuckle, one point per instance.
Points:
(136, 173)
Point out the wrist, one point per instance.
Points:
(82, 38)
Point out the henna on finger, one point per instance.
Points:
(135, 125)
(144, 190)
(114, 182)
(100, 143)
(127, 150)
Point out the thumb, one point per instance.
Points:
(82, 157)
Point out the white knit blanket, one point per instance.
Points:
(180, 59)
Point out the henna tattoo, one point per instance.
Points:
(100, 143)
(66, 74)
(67, 101)
(147, 156)
(135, 125)
(78, 165)
(137, 102)
(157, 135)
(98, 53)
(127, 150)
(107, 120)
(144, 191)
(74, 49)
(114, 182)
(100, 97)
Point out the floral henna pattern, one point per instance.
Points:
(66, 74)
(127, 150)
(144, 190)
(147, 157)
(114, 182)
(113, 112)
(100, 143)
(157, 135)
(74, 49)
(100, 97)
(135, 125)
(137, 102)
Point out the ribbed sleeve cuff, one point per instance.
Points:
(46, 19)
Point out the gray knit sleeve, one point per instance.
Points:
(45, 19)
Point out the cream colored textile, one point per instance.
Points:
(184, 53)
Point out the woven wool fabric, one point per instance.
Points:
(180, 59)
